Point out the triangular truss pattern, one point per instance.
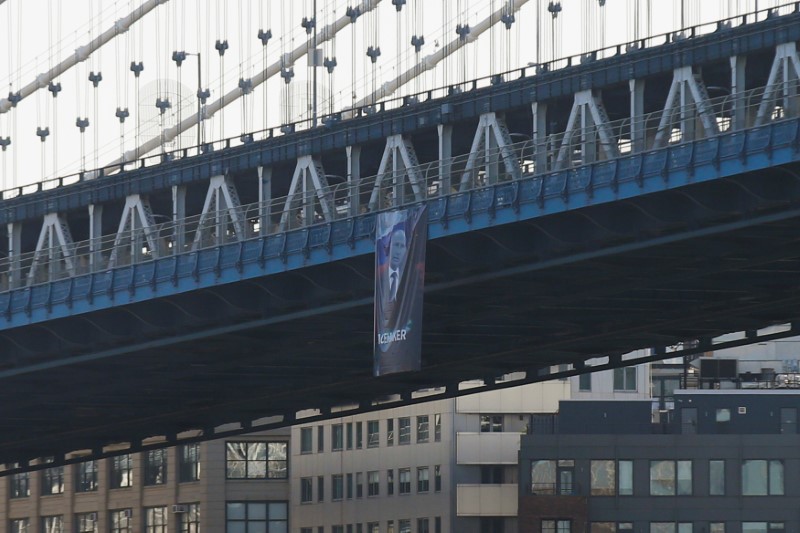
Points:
(135, 232)
(589, 121)
(54, 250)
(687, 101)
(781, 88)
(400, 164)
(492, 142)
(222, 219)
(310, 199)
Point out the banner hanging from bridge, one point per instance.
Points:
(400, 241)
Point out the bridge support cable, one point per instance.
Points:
(399, 161)
(136, 233)
(222, 215)
(781, 89)
(687, 100)
(354, 179)
(491, 143)
(326, 33)
(430, 61)
(81, 54)
(54, 250)
(588, 120)
(309, 189)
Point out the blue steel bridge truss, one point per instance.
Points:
(583, 212)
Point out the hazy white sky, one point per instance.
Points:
(41, 33)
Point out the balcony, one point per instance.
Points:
(487, 500)
(487, 448)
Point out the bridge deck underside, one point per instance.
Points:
(603, 280)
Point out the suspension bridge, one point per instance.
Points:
(638, 196)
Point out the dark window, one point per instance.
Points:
(256, 460)
(491, 474)
(306, 487)
(585, 382)
(53, 480)
(359, 484)
(422, 428)
(349, 435)
(190, 462)
(19, 525)
(267, 517)
(390, 432)
(155, 467)
(337, 437)
(121, 471)
(625, 379)
(190, 520)
(404, 526)
(305, 440)
(437, 427)
(320, 439)
(155, 520)
(565, 477)
(120, 521)
(390, 482)
(437, 528)
(404, 427)
(359, 435)
(405, 480)
(349, 486)
(423, 525)
(557, 526)
(86, 476)
(423, 479)
(373, 434)
(789, 420)
(320, 488)
(337, 487)
(373, 483)
(20, 484)
(491, 423)
(437, 478)
(492, 525)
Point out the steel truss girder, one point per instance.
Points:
(136, 221)
(221, 207)
(688, 99)
(781, 83)
(55, 247)
(309, 188)
(399, 161)
(588, 120)
(492, 142)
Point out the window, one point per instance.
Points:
(585, 382)
(359, 435)
(120, 521)
(19, 525)
(53, 524)
(337, 437)
(491, 423)
(723, 415)
(373, 527)
(422, 428)
(668, 478)
(405, 480)
(603, 478)
(390, 526)
(256, 460)
(86, 476)
(437, 478)
(625, 379)
(267, 517)
(762, 478)
(349, 486)
(373, 434)
(190, 520)
(437, 525)
(359, 484)
(155, 467)
(306, 490)
(390, 482)
(86, 523)
(423, 483)
(716, 478)
(320, 488)
(53, 480)
(716, 527)
(190, 462)
(556, 526)
(625, 478)
(390, 432)
(20, 484)
(603, 527)
(404, 427)
(121, 471)
(762, 527)
(543, 477)
(404, 526)
(349, 435)
(670, 527)
(373, 483)
(155, 520)
(306, 440)
(337, 487)
(306, 530)
(337, 529)
(320, 439)
(437, 427)
(492, 475)
(423, 525)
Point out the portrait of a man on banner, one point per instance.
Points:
(400, 239)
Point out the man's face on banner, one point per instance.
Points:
(397, 249)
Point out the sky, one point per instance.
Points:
(40, 34)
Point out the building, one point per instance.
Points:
(236, 484)
(725, 462)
